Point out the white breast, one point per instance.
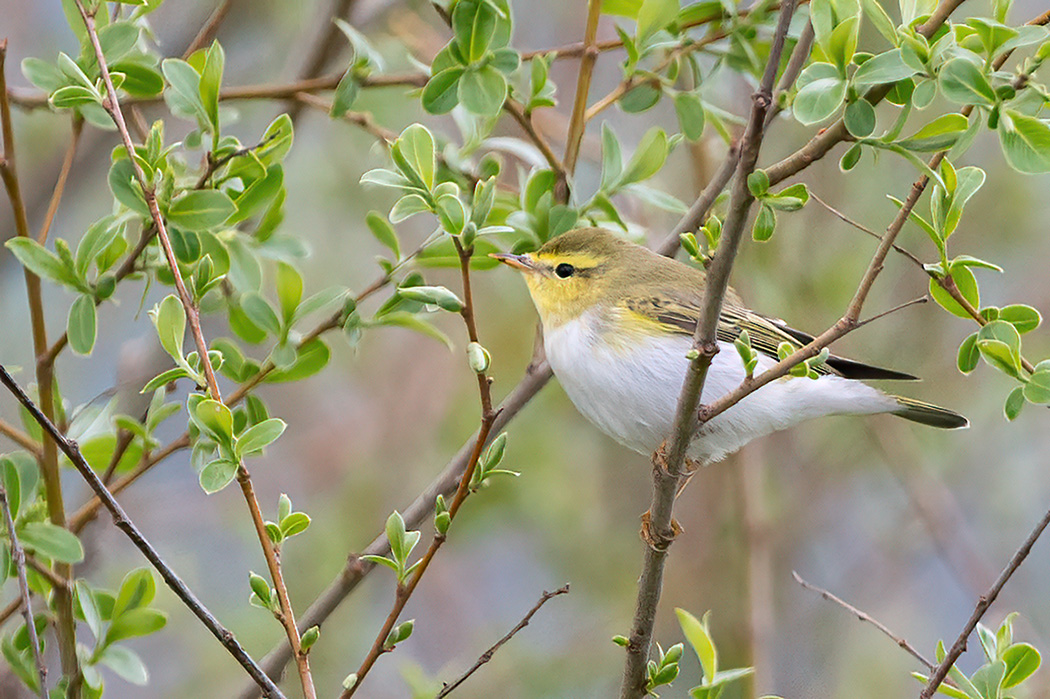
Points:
(630, 390)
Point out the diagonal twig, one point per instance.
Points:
(121, 520)
(487, 655)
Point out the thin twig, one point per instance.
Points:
(112, 105)
(983, 603)
(323, 49)
(487, 655)
(899, 307)
(362, 119)
(525, 121)
(861, 227)
(121, 520)
(863, 616)
(63, 175)
(63, 601)
(488, 419)
(19, 556)
(659, 529)
(209, 29)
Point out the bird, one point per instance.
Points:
(618, 321)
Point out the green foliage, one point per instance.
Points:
(1007, 665)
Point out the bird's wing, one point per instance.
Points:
(680, 315)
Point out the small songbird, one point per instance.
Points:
(618, 321)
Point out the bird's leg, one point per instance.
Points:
(656, 539)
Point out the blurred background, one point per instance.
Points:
(909, 524)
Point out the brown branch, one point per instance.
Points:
(488, 419)
(18, 554)
(112, 105)
(63, 175)
(525, 121)
(863, 616)
(864, 229)
(121, 520)
(983, 603)
(487, 655)
(659, 529)
(322, 49)
(362, 119)
(758, 533)
(66, 626)
(21, 439)
(578, 120)
(209, 29)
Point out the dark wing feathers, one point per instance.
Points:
(766, 334)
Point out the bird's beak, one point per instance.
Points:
(522, 262)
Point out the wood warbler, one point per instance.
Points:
(618, 321)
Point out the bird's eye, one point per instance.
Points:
(564, 270)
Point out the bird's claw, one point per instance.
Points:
(655, 539)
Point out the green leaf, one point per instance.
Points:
(277, 139)
(54, 542)
(1025, 142)
(217, 474)
(1014, 403)
(820, 96)
(211, 81)
(654, 15)
(963, 82)
(700, 640)
(690, 110)
(989, 679)
(311, 358)
(74, 96)
(967, 286)
(42, 74)
(860, 118)
(1023, 318)
(186, 83)
(216, 419)
(258, 436)
(842, 43)
(435, 295)
(612, 159)
(201, 210)
(968, 354)
(289, 290)
(97, 238)
(640, 98)
(451, 214)
(441, 93)
(1021, 661)
(413, 322)
(260, 312)
(295, 523)
(416, 146)
(41, 261)
(482, 91)
(125, 663)
(169, 317)
(125, 187)
(939, 134)
(117, 40)
(765, 224)
(135, 622)
(345, 94)
(648, 158)
(874, 11)
(88, 607)
(80, 326)
(137, 589)
(474, 24)
(1037, 390)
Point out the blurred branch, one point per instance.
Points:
(362, 119)
(112, 105)
(750, 471)
(983, 603)
(488, 419)
(861, 227)
(63, 601)
(63, 175)
(323, 49)
(487, 655)
(863, 616)
(121, 520)
(18, 554)
(659, 529)
(525, 121)
(578, 120)
(21, 439)
(209, 29)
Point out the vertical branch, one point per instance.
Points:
(488, 419)
(751, 473)
(659, 529)
(112, 106)
(63, 175)
(19, 556)
(66, 626)
(124, 523)
(577, 121)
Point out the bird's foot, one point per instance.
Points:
(658, 540)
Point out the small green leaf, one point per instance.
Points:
(41, 261)
(1037, 390)
(886, 67)
(967, 285)
(968, 354)
(1025, 141)
(258, 436)
(939, 134)
(1024, 318)
(295, 523)
(765, 224)
(482, 91)
(56, 543)
(135, 622)
(860, 118)
(384, 232)
(962, 82)
(654, 15)
(80, 326)
(819, 99)
(690, 111)
(137, 589)
(289, 290)
(169, 317)
(89, 608)
(125, 663)
(435, 295)
(1021, 661)
(700, 640)
(216, 418)
(648, 158)
(441, 93)
(217, 474)
(1014, 403)
(201, 210)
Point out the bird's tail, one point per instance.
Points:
(929, 414)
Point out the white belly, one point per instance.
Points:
(631, 392)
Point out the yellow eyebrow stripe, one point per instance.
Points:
(578, 259)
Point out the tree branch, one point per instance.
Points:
(112, 105)
(578, 121)
(659, 530)
(488, 418)
(487, 655)
(21, 439)
(19, 556)
(121, 520)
